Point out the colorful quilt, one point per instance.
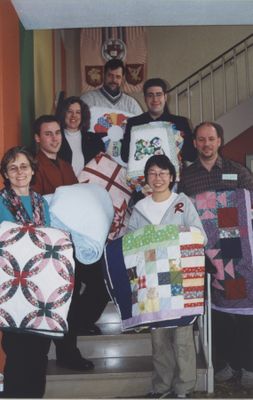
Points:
(104, 171)
(36, 278)
(147, 140)
(227, 220)
(110, 123)
(156, 274)
(85, 211)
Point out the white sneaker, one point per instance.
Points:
(224, 374)
(247, 379)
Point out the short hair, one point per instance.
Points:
(155, 82)
(85, 112)
(218, 128)
(46, 118)
(114, 63)
(11, 155)
(163, 162)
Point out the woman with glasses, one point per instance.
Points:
(26, 353)
(173, 349)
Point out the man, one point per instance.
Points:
(232, 328)
(51, 173)
(110, 94)
(155, 95)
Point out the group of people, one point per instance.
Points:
(64, 146)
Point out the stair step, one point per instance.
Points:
(113, 377)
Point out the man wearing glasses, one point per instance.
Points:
(155, 95)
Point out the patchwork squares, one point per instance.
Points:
(160, 289)
(227, 220)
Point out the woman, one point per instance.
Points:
(78, 145)
(174, 357)
(26, 354)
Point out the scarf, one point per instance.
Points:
(14, 204)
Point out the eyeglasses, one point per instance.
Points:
(14, 169)
(162, 174)
(154, 95)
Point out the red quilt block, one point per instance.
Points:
(227, 217)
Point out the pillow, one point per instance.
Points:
(104, 171)
(151, 139)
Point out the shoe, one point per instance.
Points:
(224, 374)
(247, 379)
(89, 330)
(78, 364)
(157, 395)
(177, 396)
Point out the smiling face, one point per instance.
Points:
(19, 173)
(49, 139)
(207, 142)
(159, 180)
(73, 117)
(113, 79)
(155, 100)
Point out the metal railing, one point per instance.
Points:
(217, 87)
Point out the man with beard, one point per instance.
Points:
(232, 327)
(110, 94)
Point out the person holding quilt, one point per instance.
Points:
(26, 353)
(232, 312)
(173, 349)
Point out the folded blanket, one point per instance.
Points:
(147, 140)
(86, 211)
(106, 172)
(36, 278)
(227, 219)
(155, 275)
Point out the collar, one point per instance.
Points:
(112, 98)
(218, 163)
(163, 117)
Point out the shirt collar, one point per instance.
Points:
(218, 163)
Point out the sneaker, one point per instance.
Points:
(157, 395)
(247, 379)
(178, 396)
(224, 374)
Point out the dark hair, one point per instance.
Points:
(218, 128)
(46, 118)
(11, 155)
(85, 112)
(114, 63)
(155, 82)
(163, 162)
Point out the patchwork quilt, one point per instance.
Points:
(86, 211)
(227, 220)
(110, 123)
(151, 139)
(104, 171)
(36, 278)
(155, 275)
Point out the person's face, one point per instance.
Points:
(73, 117)
(19, 172)
(207, 142)
(159, 179)
(49, 138)
(113, 79)
(155, 100)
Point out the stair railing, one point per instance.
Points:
(217, 87)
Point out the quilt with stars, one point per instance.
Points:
(155, 275)
(227, 220)
(106, 172)
(36, 278)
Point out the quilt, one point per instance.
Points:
(151, 139)
(155, 275)
(227, 219)
(110, 124)
(104, 171)
(86, 211)
(36, 278)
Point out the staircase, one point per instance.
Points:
(123, 364)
